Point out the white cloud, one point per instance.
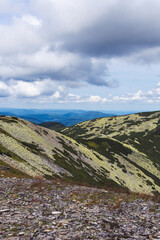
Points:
(97, 99)
(19, 38)
(25, 89)
(32, 20)
(47, 90)
(39, 38)
(53, 45)
(140, 96)
(44, 91)
(27, 51)
(59, 95)
(70, 16)
(20, 89)
(4, 90)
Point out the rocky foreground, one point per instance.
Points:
(38, 209)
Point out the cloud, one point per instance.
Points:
(27, 53)
(19, 38)
(32, 20)
(97, 99)
(151, 96)
(22, 89)
(47, 91)
(107, 28)
(50, 47)
(13, 6)
(73, 41)
(149, 56)
(61, 96)
(57, 65)
(4, 90)
(43, 91)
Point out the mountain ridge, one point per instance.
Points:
(66, 117)
(89, 156)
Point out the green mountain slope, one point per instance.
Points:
(53, 125)
(112, 137)
(100, 160)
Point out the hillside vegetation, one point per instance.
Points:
(131, 139)
(53, 126)
(104, 151)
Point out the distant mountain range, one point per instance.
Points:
(66, 117)
(117, 151)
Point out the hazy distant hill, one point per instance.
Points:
(116, 151)
(66, 117)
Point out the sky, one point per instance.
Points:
(80, 54)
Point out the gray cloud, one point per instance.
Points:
(72, 42)
(126, 29)
(58, 66)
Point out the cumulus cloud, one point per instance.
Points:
(151, 96)
(27, 52)
(4, 90)
(22, 89)
(97, 99)
(74, 40)
(49, 45)
(57, 65)
(65, 97)
(105, 28)
(18, 38)
(48, 91)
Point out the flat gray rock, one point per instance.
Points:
(36, 210)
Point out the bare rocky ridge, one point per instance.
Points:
(41, 209)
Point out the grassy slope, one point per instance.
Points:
(53, 126)
(38, 151)
(113, 136)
